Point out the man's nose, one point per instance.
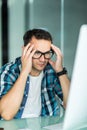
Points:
(42, 58)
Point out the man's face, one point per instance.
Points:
(42, 46)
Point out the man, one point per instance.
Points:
(29, 85)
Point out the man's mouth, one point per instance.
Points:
(42, 64)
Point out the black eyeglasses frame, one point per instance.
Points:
(43, 53)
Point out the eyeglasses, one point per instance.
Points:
(47, 55)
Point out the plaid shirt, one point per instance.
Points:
(50, 88)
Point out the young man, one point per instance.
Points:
(29, 85)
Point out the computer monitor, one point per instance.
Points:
(76, 112)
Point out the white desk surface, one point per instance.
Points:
(30, 123)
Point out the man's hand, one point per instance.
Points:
(57, 65)
(26, 59)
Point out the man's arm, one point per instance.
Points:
(58, 67)
(10, 103)
(65, 84)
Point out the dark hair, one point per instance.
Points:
(38, 34)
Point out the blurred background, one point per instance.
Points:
(62, 18)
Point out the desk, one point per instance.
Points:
(30, 123)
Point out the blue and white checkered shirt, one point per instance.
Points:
(50, 88)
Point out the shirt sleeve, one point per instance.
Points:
(7, 79)
(58, 89)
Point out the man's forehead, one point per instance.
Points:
(34, 40)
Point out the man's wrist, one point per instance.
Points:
(64, 71)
